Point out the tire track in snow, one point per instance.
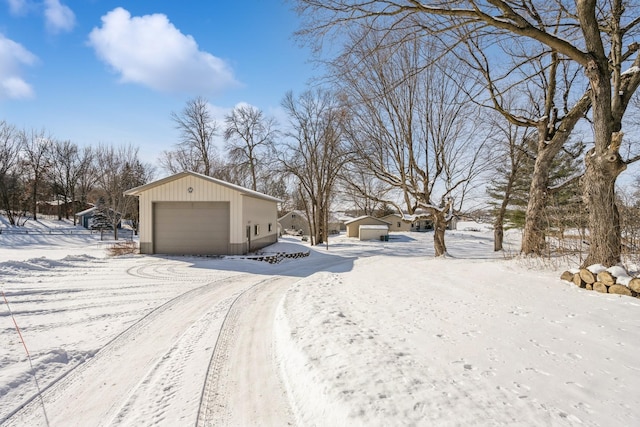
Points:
(166, 382)
(168, 270)
(74, 376)
(212, 400)
(243, 386)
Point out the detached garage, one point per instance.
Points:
(193, 214)
(353, 226)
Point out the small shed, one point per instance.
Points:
(85, 217)
(373, 232)
(193, 214)
(353, 226)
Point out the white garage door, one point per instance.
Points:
(191, 228)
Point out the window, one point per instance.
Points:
(293, 215)
(270, 227)
(256, 230)
(398, 224)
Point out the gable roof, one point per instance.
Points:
(86, 211)
(403, 217)
(360, 218)
(296, 212)
(93, 209)
(244, 191)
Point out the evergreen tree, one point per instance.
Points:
(101, 219)
(564, 208)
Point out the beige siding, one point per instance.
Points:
(353, 228)
(202, 191)
(295, 221)
(260, 213)
(396, 223)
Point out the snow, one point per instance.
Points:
(366, 333)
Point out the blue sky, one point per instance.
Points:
(100, 71)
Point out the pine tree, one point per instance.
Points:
(101, 219)
(564, 207)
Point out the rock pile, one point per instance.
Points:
(613, 280)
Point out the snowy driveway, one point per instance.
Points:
(361, 334)
(146, 340)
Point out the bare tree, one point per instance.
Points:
(89, 178)
(512, 148)
(544, 80)
(362, 190)
(11, 180)
(249, 136)
(68, 164)
(314, 153)
(119, 169)
(597, 35)
(412, 128)
(196, 150)
(36, 150)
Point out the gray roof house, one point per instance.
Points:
(193, 214)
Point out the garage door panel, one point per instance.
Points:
(191, 228)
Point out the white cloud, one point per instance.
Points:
(12, 56)
(17, 7)
(58, 17)
(151, 51)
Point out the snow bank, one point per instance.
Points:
(454, 343)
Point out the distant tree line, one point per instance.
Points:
(565, 73)
(422, 108)
(37, 170)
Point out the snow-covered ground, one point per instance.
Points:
(361, 333)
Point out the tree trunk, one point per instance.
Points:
(320, 225)
(533, 238)
(603, 165)
(498, 227)
(439, 226)
(498, 235)
(604, 219)
(35, 197)
(74, 207)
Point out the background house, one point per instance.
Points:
(353, 226)
(397, 223)
(295, 222)
(337, 222)
(87, 216)
(60, 208)
(193, 214)
(422, 224)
